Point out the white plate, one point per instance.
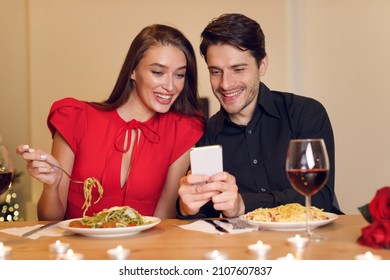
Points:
(290, 226)
(110, 232)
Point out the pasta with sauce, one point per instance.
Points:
(116, 216)
(293, 212)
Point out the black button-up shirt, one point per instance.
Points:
(256, 154)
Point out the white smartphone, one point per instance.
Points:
(206, 160)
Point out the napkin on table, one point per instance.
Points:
(54, 230)
(203, 226)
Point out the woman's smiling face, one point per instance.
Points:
(159, 77)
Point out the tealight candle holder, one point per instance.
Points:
(298, 242)
(118, 253)
(58, 247)
(70, 255)
(368, 256)
(216, 255)
(260, 249)
(288, 257)
(5, 251)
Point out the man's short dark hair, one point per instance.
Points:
(236, 30)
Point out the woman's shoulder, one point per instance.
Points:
(70, 105)
(69, 102)
(71, 111)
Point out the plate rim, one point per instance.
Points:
(109, 232)
(291, 225)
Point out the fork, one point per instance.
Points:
(66, 173)
(239, 224)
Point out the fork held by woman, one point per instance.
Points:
(41, 164)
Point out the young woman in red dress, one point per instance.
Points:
(136, 143)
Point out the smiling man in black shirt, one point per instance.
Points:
(254, 126)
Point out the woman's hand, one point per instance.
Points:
(38, 165)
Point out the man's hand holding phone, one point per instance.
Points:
(206, 182)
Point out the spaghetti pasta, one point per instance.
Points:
(292, 212)
(90, 183)
(116, 216)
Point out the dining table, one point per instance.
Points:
(169, 241)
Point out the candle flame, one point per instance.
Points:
(69, 253)
(119, 248)
(259, 243)
(368, 255)
(215, 253)
(290, 256)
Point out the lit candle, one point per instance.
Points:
(58, 247)
(4, 250)
(216, 255)
(118, 253)
(288, 257)
(259, 248)
(368, 256)
(298, 242)
(70, 255)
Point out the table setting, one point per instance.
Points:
(220, 226)
(284, 232)
(36, 231)
(188, 239)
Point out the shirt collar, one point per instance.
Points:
(266, 101)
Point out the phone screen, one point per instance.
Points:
(206, 160)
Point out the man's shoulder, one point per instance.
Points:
(292, 100)
(292, 97)
(217, 117)
(215, 121)
(213, 127)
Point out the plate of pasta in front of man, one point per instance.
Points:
(288, 217)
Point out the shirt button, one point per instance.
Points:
(249, 131)
(255, 161)
(263, 190)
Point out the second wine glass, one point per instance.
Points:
(307, 167)
(6, 169)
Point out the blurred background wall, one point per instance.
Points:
(331, 50)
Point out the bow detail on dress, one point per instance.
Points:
(150, 134)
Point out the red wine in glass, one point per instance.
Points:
(6, 169)
(307, 182)
(5, 181)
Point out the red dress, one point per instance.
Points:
(96, 138)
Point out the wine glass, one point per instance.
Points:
(307, 168)
(6, 169)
